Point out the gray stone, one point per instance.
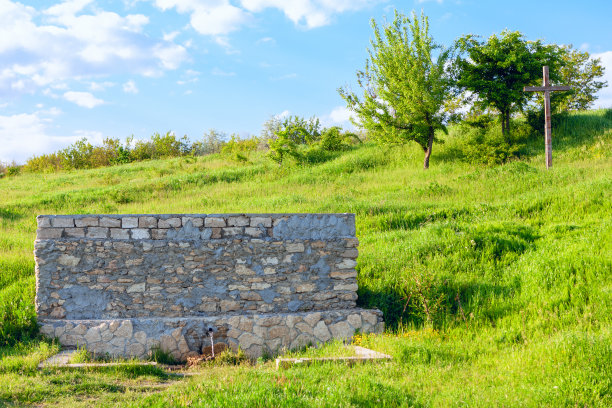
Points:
(68, 260)
(321, 331)
(129, 222)
(346, 264)
(74, 232)
(295, 247)
(62, 222)
(110, 222)
(147, 222)
(214, 222)
(97, 232)
(261, 222)
(342, 330)
(43, 222)
(138, 287)
(174, 222)
(125, 330)
(140, 233)
(86, 222)
(240, 221)
(196, 222)
(246, 340)
(346, 286)
(119, 233)
(93, 335)
(49, 233)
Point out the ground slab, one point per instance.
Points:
(363, 355)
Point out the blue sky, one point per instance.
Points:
(95, 69)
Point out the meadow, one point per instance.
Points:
(495, 281)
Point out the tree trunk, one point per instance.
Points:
(505, 122)
(429, 146)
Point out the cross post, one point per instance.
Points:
(547, 89)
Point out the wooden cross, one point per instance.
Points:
(547, 89)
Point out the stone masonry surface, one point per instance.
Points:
(124, 284)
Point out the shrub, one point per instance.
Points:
(480, 141)
(240, 148)
(9, 169)
(332, 139)
(212, 142)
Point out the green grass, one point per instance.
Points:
(495, 281)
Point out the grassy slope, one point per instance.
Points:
(495, 281)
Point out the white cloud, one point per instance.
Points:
(339, 116)
(219, 72)
(130, 87)
(220, 17)
(171, 36)
(283, 114)
(266, 40)
(100, 86)
(208, 17)
(25, 135)
(284, 77)
(605, 95)
(84, 99)
(308, 13)
(74, 39)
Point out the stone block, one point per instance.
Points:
(124, 330)
(346, 286)
(43, 222)
(351, 253)
(140, 233)
(321, 332)
(261, 222)
(232, 231)
(342, 330)
(159, 233)
(305, 287)
(295, 247)
(110, 222)
(214, 222)
(97, 232)
(74, 232)
(119, 233)
(147, 222)
(239, 221)
(254, 232)
(68, 260)
(174, 222)
(138, 287)
(346, 264)
(195, 221)
(129, 222)
(49, 233)
(62, 222)
(344, 274)
(86, 222)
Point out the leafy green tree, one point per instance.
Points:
(581, 72)
(405, 84)
(497, 70)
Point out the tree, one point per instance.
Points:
(497, 70)
(580, 72)
(404, 86)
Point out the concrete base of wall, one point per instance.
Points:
(182, 337)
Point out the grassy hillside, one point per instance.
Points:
(495, 282)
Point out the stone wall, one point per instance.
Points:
(124, 284)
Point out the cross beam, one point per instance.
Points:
(547, 89)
